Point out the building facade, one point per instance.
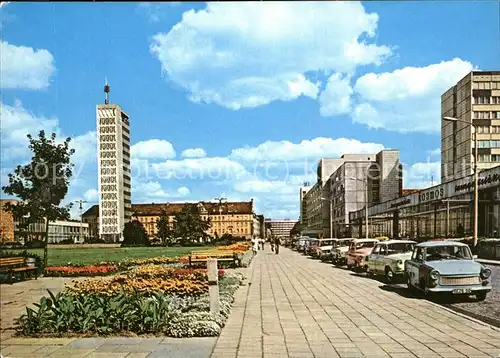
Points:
(280, 228)
(234, 218)
(474, 99)
(381, 174)
(113, 147)
(443, 210)
(6, 222)
(303, 205)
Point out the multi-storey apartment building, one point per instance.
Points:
(235, 218)
(474, 99)
(317, 208)
(365, 181)
(280, 228)
(303, 205)
(113, 147)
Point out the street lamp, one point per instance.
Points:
(476, 191)
(365, 181)
(330, 216)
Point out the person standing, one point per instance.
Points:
(255, 246)
(262, 242)
(272, 244)
(277, 244)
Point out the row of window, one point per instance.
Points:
(109, 204)
(488, 143)
(487, 100)
(488, 129)
(109, 196)
(108, 187)
(108, 154)
(108, 163)
(486, 85)
(486, 115)
(104, 121)
(107, 138)
(487, 158)
(111, 212)
(111, 146)
(108, 171)
(107, 129)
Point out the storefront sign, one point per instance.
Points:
(402, 202)
(484, 181)
(431, 194)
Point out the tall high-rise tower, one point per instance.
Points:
(474, 99)
(113, 158)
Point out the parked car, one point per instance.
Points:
(301, 243)
(488, 249)
(311, 246)
(339, 251)
(388, 257)
(323, 248)
(447, 267)
(357, 252)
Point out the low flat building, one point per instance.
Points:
(280, 228)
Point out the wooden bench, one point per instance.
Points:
(15, 264)
(234, 258)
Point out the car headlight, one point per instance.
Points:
(486, 273)
(399, 262)
(434, 274)
(360, 258)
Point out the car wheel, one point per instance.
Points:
(389, 275)
(481, 296)
(409, 285)
(369, 273)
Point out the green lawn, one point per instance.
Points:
(87, 256)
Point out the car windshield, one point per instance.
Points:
(326, 243)
(342, 243)
(448, 252)
(400, 248)
(362, 245)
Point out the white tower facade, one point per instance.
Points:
(113, 147)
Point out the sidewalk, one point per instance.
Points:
(299, 307)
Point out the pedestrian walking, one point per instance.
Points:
(262, 242)
(272, 244)
(255, 246)
(277, 244)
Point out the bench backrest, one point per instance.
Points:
(10, 261)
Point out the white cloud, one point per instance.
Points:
(435, 152)
(336, 98)
(91, 195)
(213, 168)
(155, 10)
(85, 147)
(249, 54)
(16, 122)
(153, 191)
(153, 149)
(421, 175)
(315, 148)
(4, 3)
(25, 67)
(407, 99)
(194, 153)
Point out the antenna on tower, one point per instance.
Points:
(106, 90)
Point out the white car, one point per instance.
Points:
(339, 250)
(388, 258)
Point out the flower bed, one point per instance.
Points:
(130, 312)
(151, 278)
(73, 271)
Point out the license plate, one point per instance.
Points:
(461, 290)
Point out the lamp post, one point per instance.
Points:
(476, 174)
(365, 181)
(330, 216)
(81, 216)
(220, 200)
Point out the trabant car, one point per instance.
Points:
(447, 267)
(357, 252)
(301, 243)
(339, 251)
(311, 246)
(323, 248)
(388, 258)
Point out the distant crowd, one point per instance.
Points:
(259, 244)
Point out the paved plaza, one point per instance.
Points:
(299, 307)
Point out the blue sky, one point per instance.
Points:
(249, 86)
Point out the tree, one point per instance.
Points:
(42, 184)
(134, 233)
(165, 232)
(189, 225)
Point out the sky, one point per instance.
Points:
(238, 100)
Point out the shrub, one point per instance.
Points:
(94, 240)
(35, 244)
(134, 312)
(66, 242)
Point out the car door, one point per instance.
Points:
(381, 258)
(372, 259)
(413, 266)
